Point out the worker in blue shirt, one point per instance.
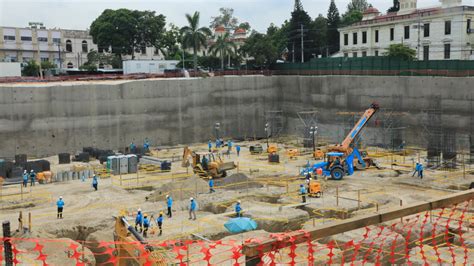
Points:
(192, 209)
(303, 193)
(229, 145)
(159, 222)
(132, 147)
(169, 204)
(237, 148)
(420, 171)
(146, 145)
(139, 220)
(238, 209)
(218, 143)
(209, 145)
(211, 185)
(32, 178)
(95, 182)
(25, 178)
(146, 224)
(60, 205)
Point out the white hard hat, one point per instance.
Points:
(191, 198)
(139, 209)
(167, 196)
(238, 201)
(25, 171)
(31, 171)
(61, 197)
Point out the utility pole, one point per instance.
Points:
(59, 51)
(302, 44)
(35, 25)
(293, 52)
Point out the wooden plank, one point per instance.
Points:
(254, 249)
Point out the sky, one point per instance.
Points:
(79, 14)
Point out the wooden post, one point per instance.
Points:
(20, 222)
(314, 222)
(21, 191)
(376, 207)
(29, 222)
(337, 196)
(358, 199)
(287, 187)
(401, 204)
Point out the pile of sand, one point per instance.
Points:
(180, 190)
(236, 182)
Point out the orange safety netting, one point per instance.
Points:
(441, 236)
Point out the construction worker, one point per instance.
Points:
(83, 178)
(229, 145)
(192, 209)
(32, 178)
(417, 168)
(25, 178)
(211, 185)
(218, 143)
(238, 209)
(139, 220)
(237, 148)
(303, 193)
(146, 145)
(159, 222)
(132, 147)
(204, 162)
(95, 182)
(209, 145)
(420, 171)
(60, 204)
(169, 203)
(146, 224)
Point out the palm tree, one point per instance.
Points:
(193, 36)
(224, 46)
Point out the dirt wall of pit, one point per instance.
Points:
(45, 119)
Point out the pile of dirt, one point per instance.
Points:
(237, 182)
(181, 190)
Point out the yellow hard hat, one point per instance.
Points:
(145, 215)
(161, 213)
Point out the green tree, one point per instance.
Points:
(226, 18)
(169, 43)
(401, 51)
(210, 62)
(31, 69)
(245, 26)
(357, 5)
(224, 46)
(45, 65)
(334, 21)
(126, 30)
(395, 7)
(193, 36)
(262, 48)
(300, 19)
(351, 17)
(320, 29)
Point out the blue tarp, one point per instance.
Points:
(242, 224)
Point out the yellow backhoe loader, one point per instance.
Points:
(206, 164)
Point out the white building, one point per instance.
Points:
(444, 32)
(148, 66)
(65, 48)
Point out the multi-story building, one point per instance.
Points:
(443, 32)
(65, 48)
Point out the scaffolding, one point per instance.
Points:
(392, 128)
(308, 119)
(275, 119)
(348, 120)
(433, 135)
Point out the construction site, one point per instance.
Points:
(343, 170)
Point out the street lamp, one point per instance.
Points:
(267, 131)
(313, 131)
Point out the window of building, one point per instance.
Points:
(376, 35)
(8, 37)
(156, 51)
(392, 34)
(364, 37)
(447, 27)
(426, 53)
(447, 51)
(407, 32)
(101, 66)
(346, 39)
(364, 54)
(346, 55)
(468, 25)
(376, 53)
(56, 40)
(44, 59)
(354, 54)
(84, 47)
(70, 65)
(68, 46)
(354, 38)
(143, 49)
(42, 39)
(26, 38)
(426, 30)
